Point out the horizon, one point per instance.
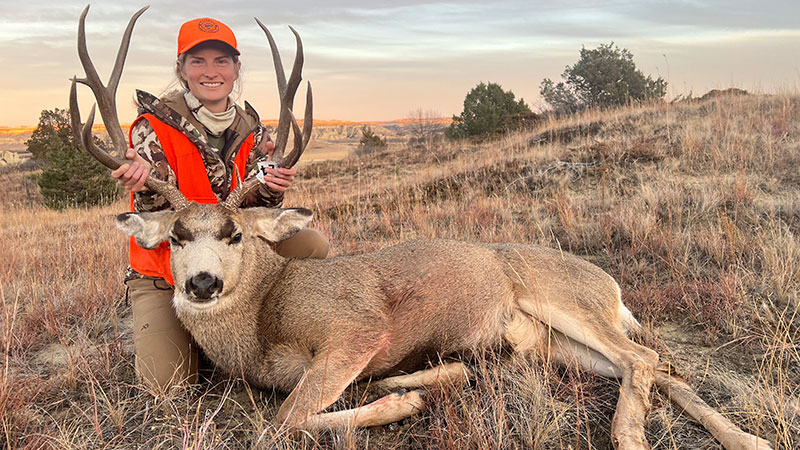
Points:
(378, 61)
(99, 128)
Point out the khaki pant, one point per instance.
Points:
(166, 354)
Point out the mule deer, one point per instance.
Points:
(313, 327)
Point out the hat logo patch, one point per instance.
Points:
(208, 26)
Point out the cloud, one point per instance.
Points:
(438, 49)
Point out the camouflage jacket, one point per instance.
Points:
(173, 111)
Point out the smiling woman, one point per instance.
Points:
(208, 68)
(199, 139)
(209, 72)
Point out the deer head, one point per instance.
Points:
(207, 242)
(210, 246)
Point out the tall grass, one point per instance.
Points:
(692, 206)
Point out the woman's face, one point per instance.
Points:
(210, 73)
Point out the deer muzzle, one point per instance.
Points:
(203, 287)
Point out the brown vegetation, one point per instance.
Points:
(694, 207)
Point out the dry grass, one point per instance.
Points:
(694, 207)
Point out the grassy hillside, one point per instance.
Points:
(694, 207)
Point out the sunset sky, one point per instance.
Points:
(379, 60)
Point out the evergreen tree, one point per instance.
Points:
(52, 132)
(70, 176)
(605, 76)
(485, 108)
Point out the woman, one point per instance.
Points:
(201, 135)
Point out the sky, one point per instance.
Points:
(373, 60)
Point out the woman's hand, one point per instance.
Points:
(132, 176)
(280, 179)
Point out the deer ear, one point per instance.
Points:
(274, 224)
(149, 228)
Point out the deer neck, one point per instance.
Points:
(233, 324)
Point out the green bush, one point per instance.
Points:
(370, 142)
(485, 109)
(605, 76)
(70, 176)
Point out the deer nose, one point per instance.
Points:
(204, 285)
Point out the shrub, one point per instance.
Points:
(70, 176)
(485, 108)
(426, 127)
(370, 142)
(605, 76)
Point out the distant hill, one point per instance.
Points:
(334, 131)
(13, 139)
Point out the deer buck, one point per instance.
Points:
(313, 327)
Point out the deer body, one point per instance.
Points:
(418, 299)
(398, 297)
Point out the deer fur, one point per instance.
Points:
(312, 327)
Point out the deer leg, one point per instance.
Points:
(609, 352)
(729, 435)
(452, 373)
(328, 375)
(633, 363)
(393, 407)
(324, 382)
(637, 364)
(569, 352)
(387, 409)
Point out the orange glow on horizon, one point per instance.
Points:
(14, 131)
(99, 128)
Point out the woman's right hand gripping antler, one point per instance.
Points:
(133, 175)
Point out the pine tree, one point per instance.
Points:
(70, 176)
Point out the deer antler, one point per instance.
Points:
(287, 91)
(107, 102)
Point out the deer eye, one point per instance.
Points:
(174, 241)
(236, 238)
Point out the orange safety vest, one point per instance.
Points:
(186, 162)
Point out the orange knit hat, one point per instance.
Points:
(204, 29)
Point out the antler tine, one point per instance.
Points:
(116, 73)
(294, 156)
(240, 192)
(276, 59)
(92, 78)
(88, 143)
(74, 113)
(106, 96)
(282, 132)
(308, 120)
(297, 69)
